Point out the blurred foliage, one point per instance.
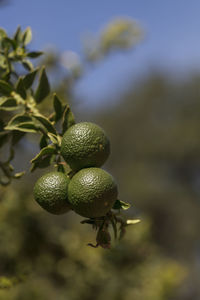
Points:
(154, 132)
(119, 34)
(47, 255)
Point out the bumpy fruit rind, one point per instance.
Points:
(51, 192)
(85, 145)
(92, 192)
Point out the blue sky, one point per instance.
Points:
(172, 39)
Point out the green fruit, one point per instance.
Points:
(92, 192)
(85, 145)
(51, 192)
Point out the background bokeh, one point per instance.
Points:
(146, 97)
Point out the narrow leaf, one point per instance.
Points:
(18, 34)
(26, 127)
(27, 65)
(57, 104)
(44, 158)
(34, 54)
(20, 88)
(49, 150)
(22, 123)
(43, 163)
(43, 88)
(16, 120)
(8, 104)
(43, 142)
(68, 119)
(7, 42)
(5, 88)
(27, 36)
(46, 123)
(29, 79)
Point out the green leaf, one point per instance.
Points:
(5, 88)
(27, 127)
(49, 150)
(28, 79)
(46, 123)
(44, 163)
(53, 138)
(18, 35)
(7, 43)
(22, 123)
(43, 88)
(43, 158)
(68, 119)
(121, 205)
(43, 142)
(27, 36)
(3, 62)
(57, 104)
(34, 54)
(27, 65)
(8, 104)
(3, 33)
(20, 88)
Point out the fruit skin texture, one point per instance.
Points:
(85, 145)
(51, 192)
(92, 192)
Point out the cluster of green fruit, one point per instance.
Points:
(91, 192)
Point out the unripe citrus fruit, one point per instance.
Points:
(85, 145)
(51, 192)
(92, 192)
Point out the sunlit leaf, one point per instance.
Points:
(18, 35)
(27, 36)
(3, 33)
(3, 62)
